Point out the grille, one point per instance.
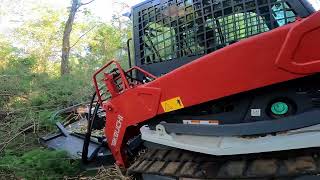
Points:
(175, 29)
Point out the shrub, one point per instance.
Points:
(40, 164)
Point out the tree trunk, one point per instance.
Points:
(65, 67)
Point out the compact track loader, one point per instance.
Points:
(221, 89)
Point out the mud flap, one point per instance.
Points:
(73, 144)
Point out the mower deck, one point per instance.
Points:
(68, 140)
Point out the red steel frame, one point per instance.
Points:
(283, 54)
(122, 76)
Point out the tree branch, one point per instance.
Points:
(83, 4)
(84, 34)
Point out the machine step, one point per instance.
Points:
(234, 145)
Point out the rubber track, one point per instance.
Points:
(186, 164)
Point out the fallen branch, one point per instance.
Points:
(119, 172)
(5, 144)
(12, 95)
(3, 113)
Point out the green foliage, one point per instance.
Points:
(59, 92)
(41, 37)
(109, 43)
(106, 42)
(31, 89)
(6, 51)
(40, 164)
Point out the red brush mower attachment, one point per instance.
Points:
(93, 150)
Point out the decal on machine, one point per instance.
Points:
(117, 130)
(172, 104)
(255, 112)
(202, 122)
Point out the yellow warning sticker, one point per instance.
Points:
(172, 104)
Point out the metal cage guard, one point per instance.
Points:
(122, 76)
(109, 79)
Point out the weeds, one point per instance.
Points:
(27, 101)
(39, 164)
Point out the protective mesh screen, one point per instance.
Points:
(173, 29)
